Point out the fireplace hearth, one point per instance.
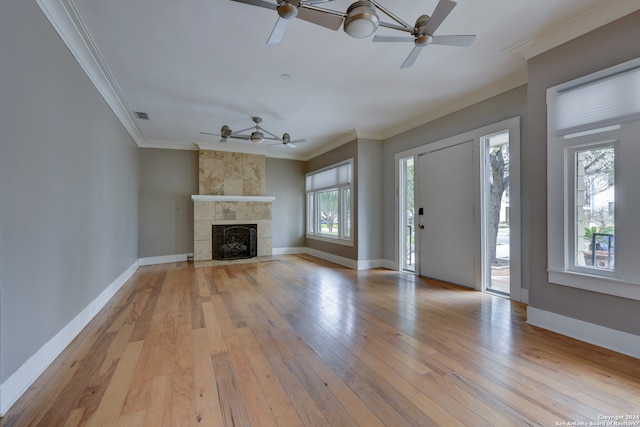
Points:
(238, 241)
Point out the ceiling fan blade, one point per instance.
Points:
(412, 56)
(443, 9)
(291, 145)
(461, 41)
(298, 141)
(243, 137)
(324, 19)
(222, 139)
(259, 3)
(313, 2)
(393, 39)
(278, 31)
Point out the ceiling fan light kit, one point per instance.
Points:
(287, 10)
(361, 20)
(257, 137)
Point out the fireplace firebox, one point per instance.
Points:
(236, 241)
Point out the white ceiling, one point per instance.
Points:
(194, 65)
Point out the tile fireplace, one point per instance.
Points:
(222, 174)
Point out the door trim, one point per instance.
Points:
(513, 124)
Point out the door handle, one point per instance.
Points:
(421, 226)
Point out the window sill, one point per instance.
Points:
(334, 240)
(603, 285)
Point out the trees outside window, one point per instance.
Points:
(498, 184)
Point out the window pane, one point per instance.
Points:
(328, 208)
(595, 208)
(310, 214)
(347, 213)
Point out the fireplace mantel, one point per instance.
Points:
(219, 198)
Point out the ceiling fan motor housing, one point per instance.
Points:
(287, 10)
(422, 38)
(226, 131)
(362, 19)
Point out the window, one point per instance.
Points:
(593, 149)
(594, 208)
(329, 204)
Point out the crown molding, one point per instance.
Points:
(344, 139)
(65, 19)
(562, 31)
(168, 145)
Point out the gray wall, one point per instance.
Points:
(607, 46)
(504, 106)
(369, 200)
(68, 187)
(168, 178)
(285, 181)
(343, 152)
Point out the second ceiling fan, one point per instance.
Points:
(257, 134)
(361, 20)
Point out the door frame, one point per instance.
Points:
(513, 125)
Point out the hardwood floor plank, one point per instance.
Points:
(159, 411)
(215, 337)
(307, 409)
(75, 418)
(108, 411)
(208, 411)
(183, 403)
(134, 419)
(374, 393)
(303, 342)
(232, 405)
(279, 403)
(256, 402)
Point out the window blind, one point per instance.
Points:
(598, 103)
(333, 177)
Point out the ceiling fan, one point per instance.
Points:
(303, 9)
(257, 134)
(422, 33)
(361, 20)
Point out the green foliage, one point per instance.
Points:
(595, 229)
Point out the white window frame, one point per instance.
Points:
(621, 132)
(606, 138)
(313, 226)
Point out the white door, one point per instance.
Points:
(446, 226)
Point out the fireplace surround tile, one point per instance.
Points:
(231, 191)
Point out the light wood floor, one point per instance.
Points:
(299, 341)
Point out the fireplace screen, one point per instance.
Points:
(235, 241)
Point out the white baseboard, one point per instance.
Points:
(347, 262)
(612, 339)
(371, 263)
(162, 259)
(21, 380)
(389, 264)
(289, 251)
